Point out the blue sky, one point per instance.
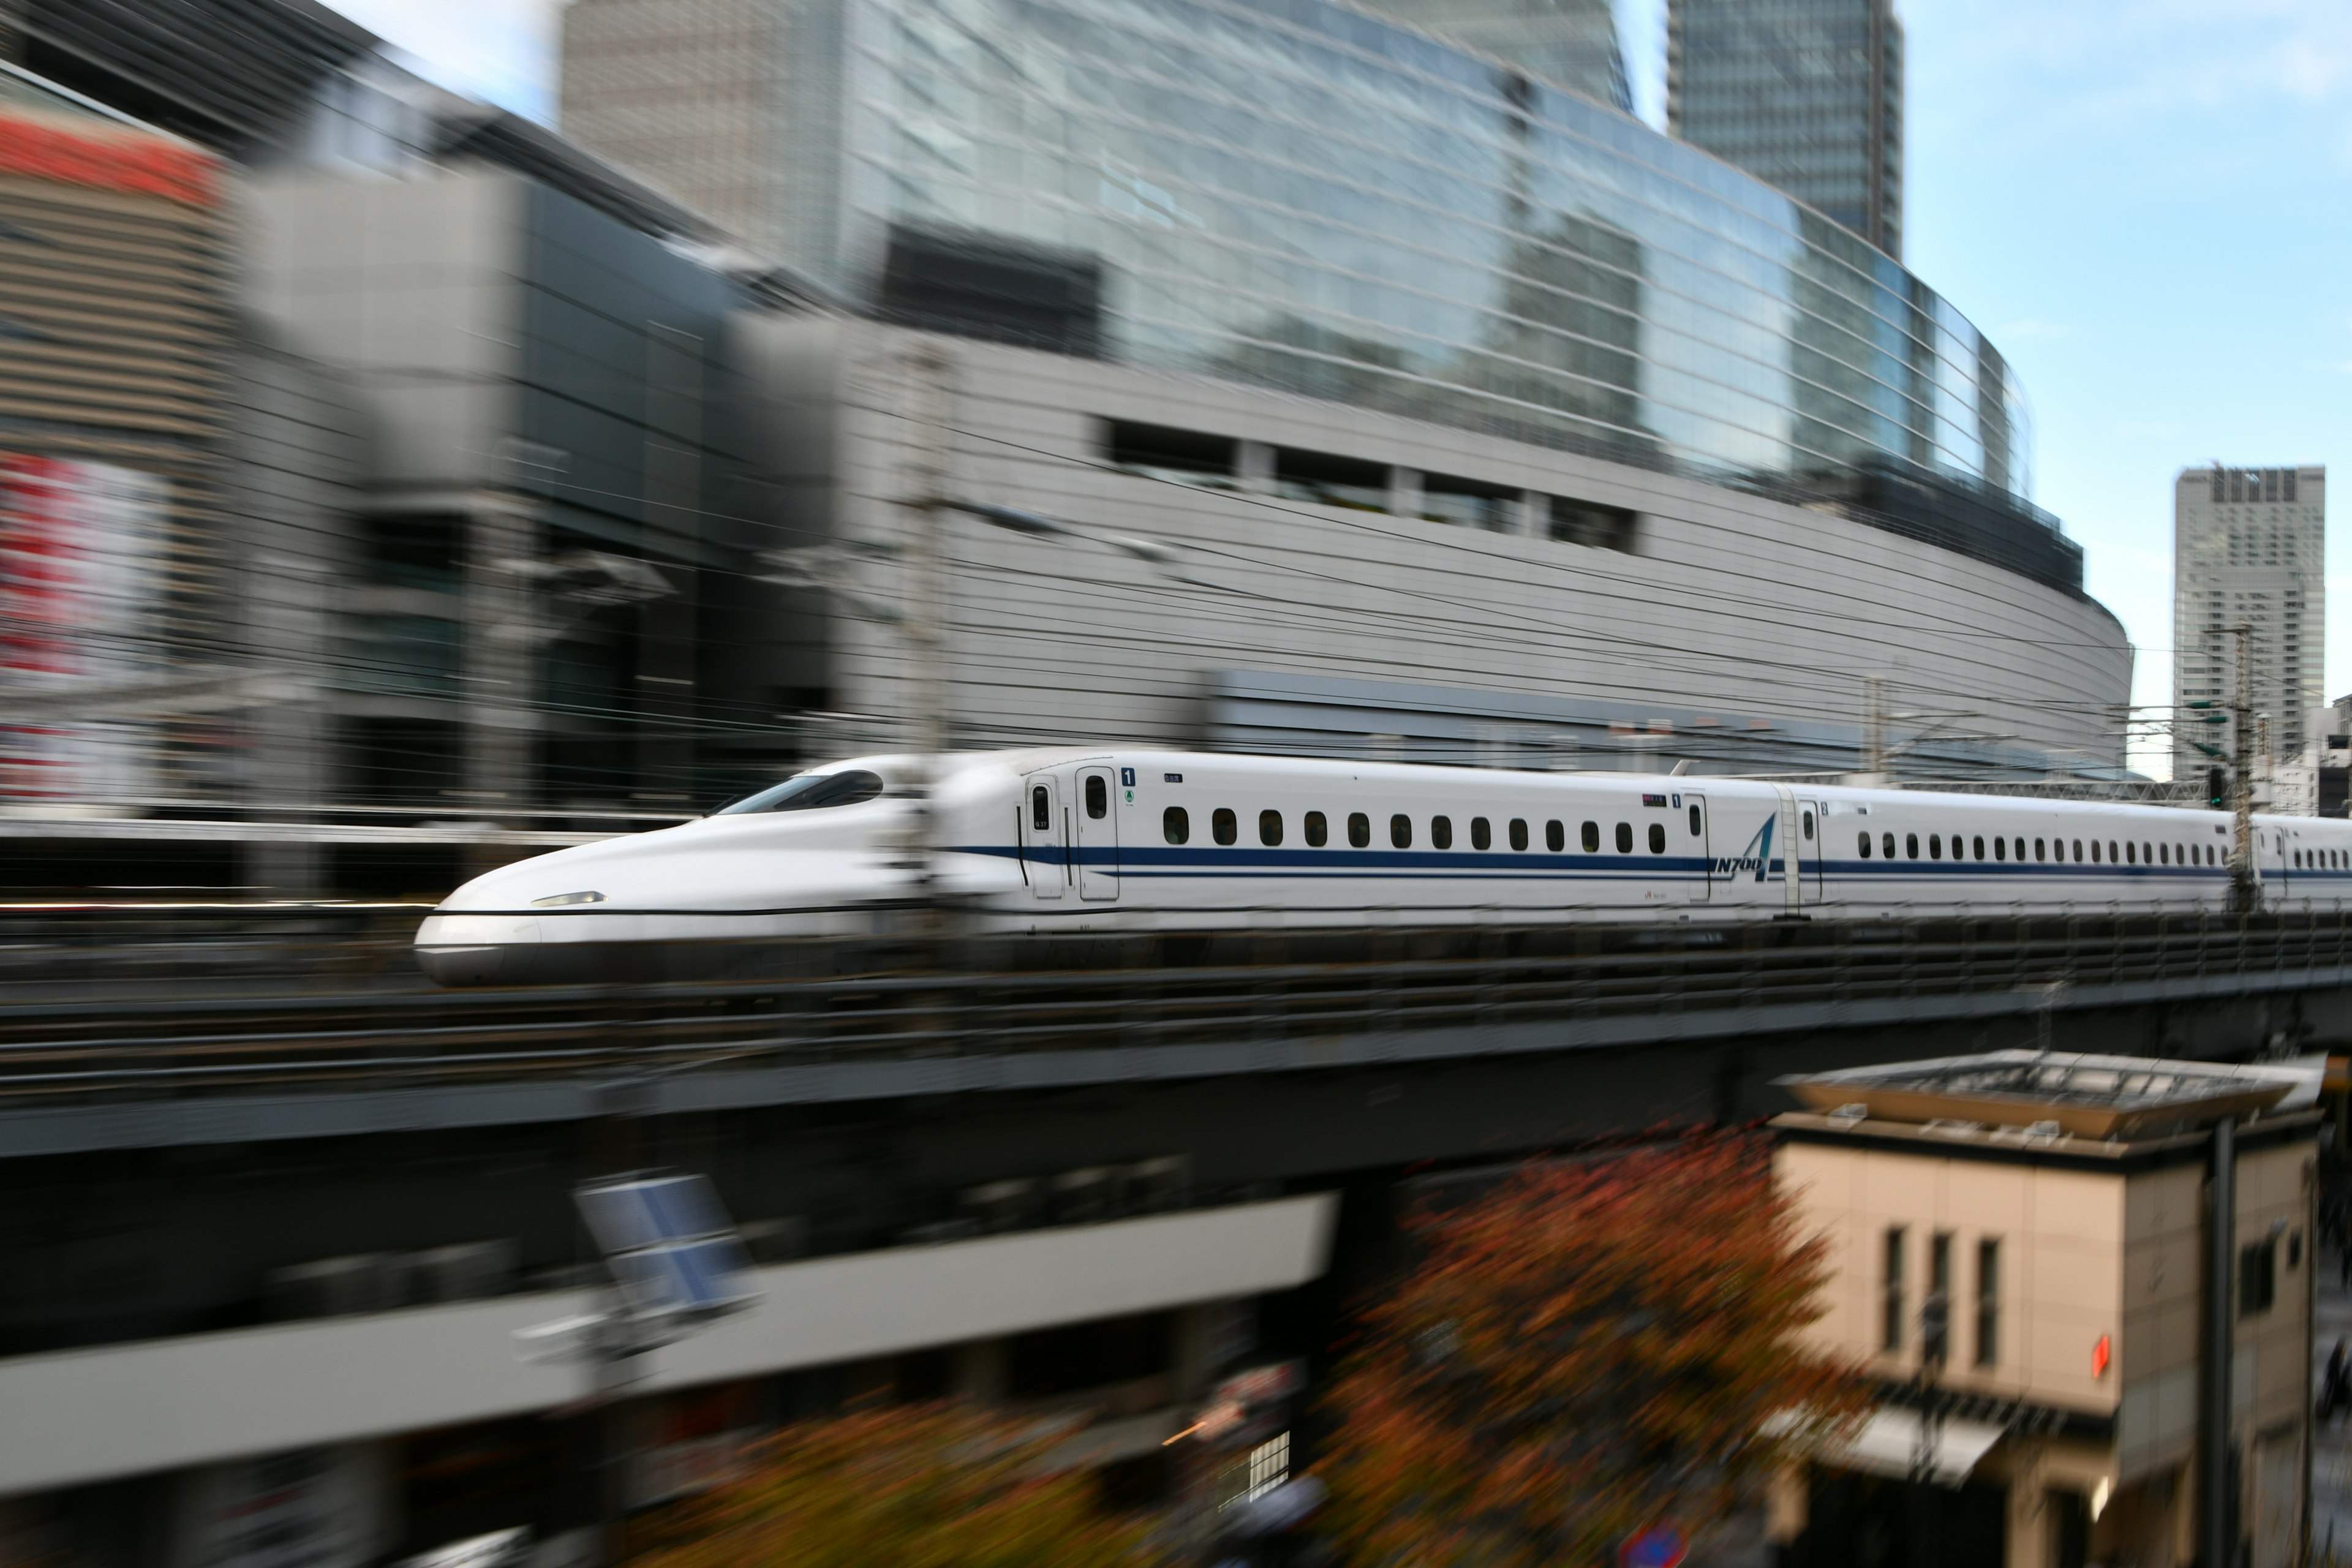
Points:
(2146, 204)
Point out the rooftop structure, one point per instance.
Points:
(2118, 1098)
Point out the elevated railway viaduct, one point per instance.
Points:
(219, 1136)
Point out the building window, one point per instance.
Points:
(1936, 1310)
(1890, 1292)
(1988, 1303)
(1185, 456)
(1590, 524)
(1330, 480)
(2257, 1277)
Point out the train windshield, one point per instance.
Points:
(810, 790)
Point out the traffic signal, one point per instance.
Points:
(2217, 788)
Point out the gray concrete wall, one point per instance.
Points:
(1728, 601)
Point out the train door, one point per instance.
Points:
(1044, 843)
(1097, 846)
(1812, 838)
(1694, 821)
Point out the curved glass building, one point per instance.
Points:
(1297, 193)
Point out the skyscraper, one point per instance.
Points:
(2247, 549)
(1570, 43)
(1807, 94)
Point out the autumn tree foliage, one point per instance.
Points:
(1590, 1351)
(937, 1486)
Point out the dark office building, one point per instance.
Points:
(1807, 94)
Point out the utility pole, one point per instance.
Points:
(930, 400)
(2243, 893)
(1874, 728)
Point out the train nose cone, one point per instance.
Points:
(473, 950)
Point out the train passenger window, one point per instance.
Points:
(2000, 848)
(1592, 838)
(1862, 844)
(1097, 796)
(1223, 825)
(1041, 809)
(1269, 828)
(1911, 847)
(1174, 825)
(1360, 830)
(1518, 833)
(2131, 852)
(2144, 858)
(2078, 851)
(1887, 843)
(1624, 839)
(2042, 849)
(2164, 854)
(2111, 851)
(2094, 851)
(2021, 849)
(1319, 832)
(1935, 846)
(1401, 831)
(1657, 839)
(1555, 836)
(1807, 818)
(1481, 835)
(1696, 827)
(1441, 833)
(1956, 849)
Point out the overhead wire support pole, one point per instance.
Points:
(2244, 892)
(929, 395)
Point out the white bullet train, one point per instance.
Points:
(1116, 840)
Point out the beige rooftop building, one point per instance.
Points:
(2023, 1261)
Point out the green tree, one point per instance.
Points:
(932, 1485)
(1588, 1351)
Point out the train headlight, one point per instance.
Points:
(560, 900)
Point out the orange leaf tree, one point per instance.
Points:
(899, 1487)
(1589, 1351)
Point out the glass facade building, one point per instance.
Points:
(1303, 195)
(1568, 43)
(1807, 94)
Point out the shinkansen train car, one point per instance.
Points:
(1110, 840)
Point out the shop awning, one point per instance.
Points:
(1896, 1443)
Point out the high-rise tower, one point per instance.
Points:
(2247, 549)
(1570, 43)
(1805, 93)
